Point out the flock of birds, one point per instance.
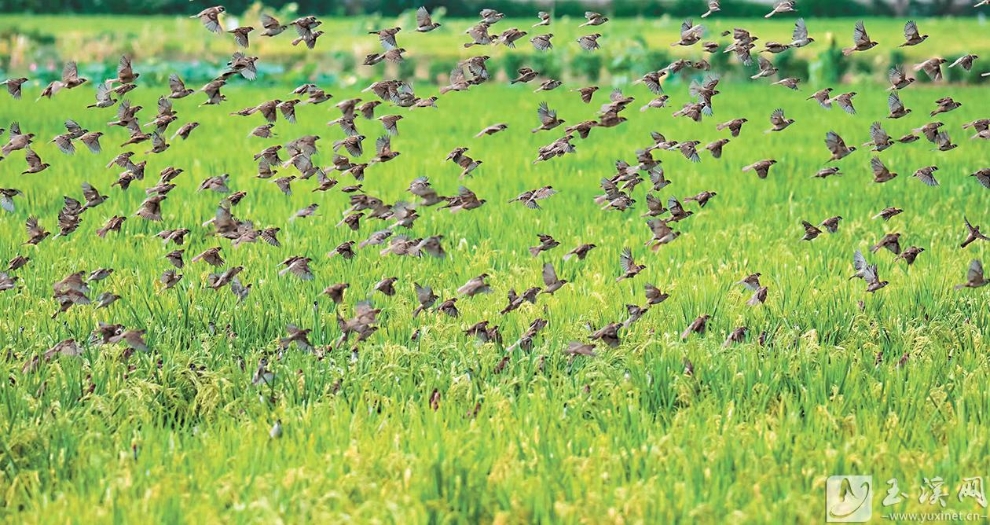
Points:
(297, 154)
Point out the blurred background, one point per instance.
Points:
(163, 36)
(512, 8)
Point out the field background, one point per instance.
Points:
(624, 437)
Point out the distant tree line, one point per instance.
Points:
(512, 8)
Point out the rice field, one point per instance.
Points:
(422, 423)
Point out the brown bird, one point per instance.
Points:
(734, 126)
(831, 224)
(529, 198)
(272, 26)
(965, 61)
(474, 286)
(867, 272)
(14, 86)
(383, 147)
(974, 276)
(628, 264)
(336, 292)
(823, 97)
(7, 198)
(811, 231)
(982, 176)
(926, 175)
(178, 89)
(690, 34)
(35, 232)
(298, 266)
(932, 67)
(581, 251)
(910, 254)
(778, 121)
(210, 256)
(887, 213)
(170, 278)
(542, 42)
(861, 40)
(973, 234)
(491, 130)
(737, 335)
(762, 168)
(589, 42)
(386, 286)
(890, 241)
(112, 224)
(594, 19)
(654, 295)
(766, 68)
(911, 35)
(789, 83)
(880, 172)
(844, 101)
(35, 164)
(898, 79)
(548, 118)
(550, 279)
(697, 326)
(70, 80)
(837, 146)
(425, 297)
(546, 243)
(175, 258)
(759, 297)
(945, 105)
(781, 6)
(575, 348)
(449, 308)
(424, 23)
(210, 18)
(879, 138)
(751, 281)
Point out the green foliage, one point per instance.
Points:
(180, 434)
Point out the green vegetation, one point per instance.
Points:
(630, 47)
(626, 436)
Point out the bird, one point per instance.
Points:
(778, 121)
(811, 232)
(697, 326)
(762, 168)
(210, 18)
(973, 234)
(550, 279)
(890, 241)
(880, 172)
(424, 23)
(974, 276)
(589, 42)
(781, 6)
(837, 146)
(861, 40)
(912, 36)
(629, 267)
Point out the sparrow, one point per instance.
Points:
(974, 276)
(697, 326)
(890, 241)
(887, 213)
(628, 264)
(861, 40)
(973, 234)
